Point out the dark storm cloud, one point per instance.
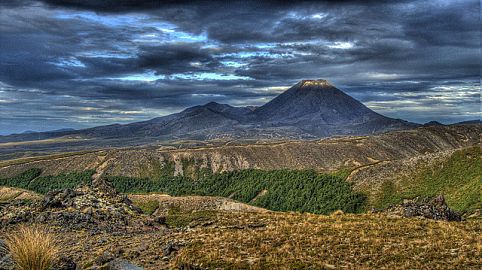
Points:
(85, 63)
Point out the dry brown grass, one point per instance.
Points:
(289, 241)
(8, 194)
(300, 241)
(32, 248)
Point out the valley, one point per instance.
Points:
(252, 188)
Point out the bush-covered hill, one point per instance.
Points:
(282, 190)
(457, 177)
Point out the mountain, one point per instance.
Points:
(193, 123)
(29, 132)
(34, 132)
(309, 109)
(321, 109)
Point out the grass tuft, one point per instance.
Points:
(32, 248)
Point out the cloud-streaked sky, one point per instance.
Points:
(86, 63)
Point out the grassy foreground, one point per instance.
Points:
(345, 241)
(223, 240)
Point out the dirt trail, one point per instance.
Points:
(99, 171)
(356, 170)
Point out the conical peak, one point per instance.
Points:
(315, 83)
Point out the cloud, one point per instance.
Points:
(85, 63)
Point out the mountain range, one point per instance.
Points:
(309, 109)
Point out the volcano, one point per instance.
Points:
(321, 109)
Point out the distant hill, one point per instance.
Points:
(433, 123)
(50, 131)
(310, 109)
(469, 122)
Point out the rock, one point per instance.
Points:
(119, 264)
(6, 262)
(65, 263)
(435, 208)
(160, 220)
(104, 258)
(169, 248)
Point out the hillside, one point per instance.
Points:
(98, 227)
(455, 174)
(324, 155)
(386, 168)
(101, 227)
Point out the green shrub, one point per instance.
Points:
(177, 219)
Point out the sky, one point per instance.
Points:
(84, 63)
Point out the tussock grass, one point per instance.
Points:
(148, 207)
(347, 241)
(32, 248)
(176, 218)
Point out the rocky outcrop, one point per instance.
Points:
(95, 208)
(434, 208)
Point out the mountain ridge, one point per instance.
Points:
(309, 109)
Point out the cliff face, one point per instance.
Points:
(323, 155)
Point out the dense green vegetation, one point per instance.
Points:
(32, 180)
(458, 179)
(21, 180)
(282, 190)
(176, 218)
(44, 184)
